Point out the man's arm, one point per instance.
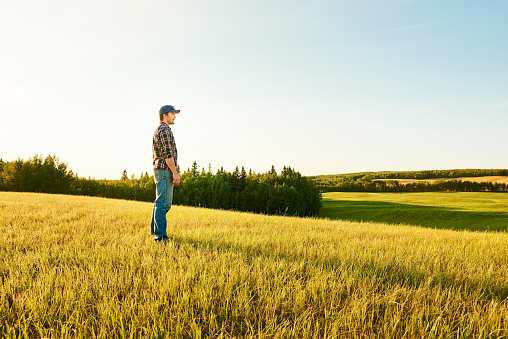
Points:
(171, 164)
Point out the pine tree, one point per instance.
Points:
(194, 170)
(124, 176)
(243, 179)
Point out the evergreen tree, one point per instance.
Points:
(194, 170)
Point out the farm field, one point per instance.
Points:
(493, 179)
(476, 211)
(82, 267)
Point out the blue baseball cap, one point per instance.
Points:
(168, 108)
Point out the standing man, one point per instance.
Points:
(165, 162)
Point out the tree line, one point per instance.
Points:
(287, 193)
(369, 181)
(395, 186)
(437, 174)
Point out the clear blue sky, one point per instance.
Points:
(325, 87)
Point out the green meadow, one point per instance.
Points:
(83, 267)
(476, 211)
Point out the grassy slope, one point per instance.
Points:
(454, 210)
(493, 179)
(87, 267)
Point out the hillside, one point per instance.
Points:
(81, 267)
(477, 180)
(477, 211)
(493, 179)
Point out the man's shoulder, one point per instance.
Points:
(162, 126)
(163, 129)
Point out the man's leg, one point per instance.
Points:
(160, 206)
(169, 192)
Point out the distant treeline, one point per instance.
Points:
(438, 174)
(369, 181)
(287, 193)
(438, 186)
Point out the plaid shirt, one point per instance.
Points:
(163, 147)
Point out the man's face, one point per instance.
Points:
(170, 119)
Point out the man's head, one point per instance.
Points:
(167, 114)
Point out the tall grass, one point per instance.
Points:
(85, 267)
(476, 211)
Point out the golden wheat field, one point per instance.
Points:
(82, 267)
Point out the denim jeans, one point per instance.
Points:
(164, 197)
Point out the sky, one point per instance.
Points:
(326, 87)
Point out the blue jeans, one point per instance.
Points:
(164, 197)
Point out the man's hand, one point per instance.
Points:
(171, 164)
(176, 179)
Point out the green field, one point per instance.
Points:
(476, 211)
(81, 267)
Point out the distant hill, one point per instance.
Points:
(494, 179)
(414, 181)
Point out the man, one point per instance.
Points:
(165, 162)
